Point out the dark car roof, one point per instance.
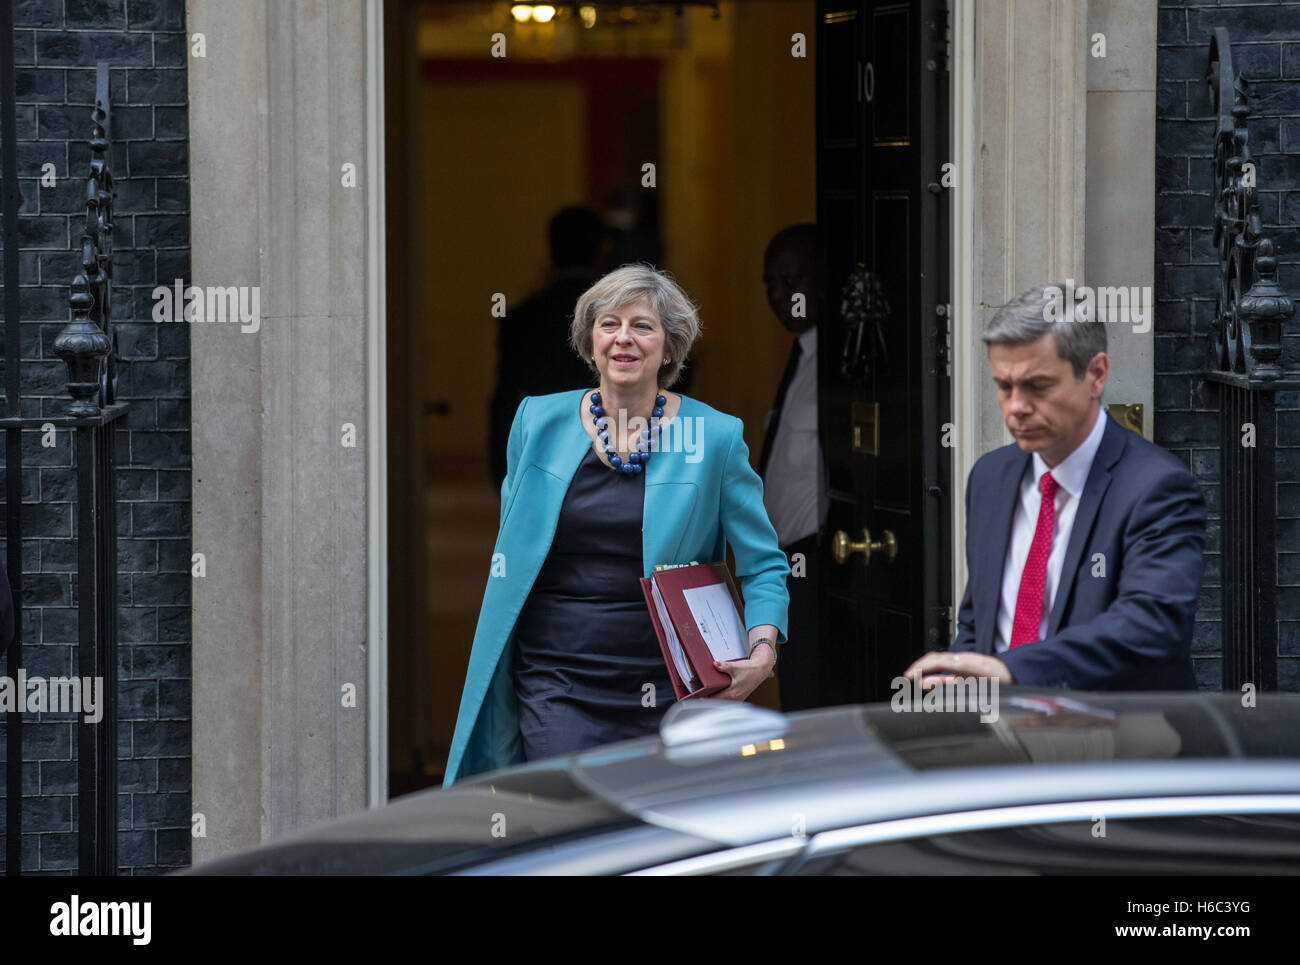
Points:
(852, 765)
(736, 774)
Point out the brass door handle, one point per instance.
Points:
(842, 548)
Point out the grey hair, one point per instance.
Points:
(1049, 309)
(677, 313)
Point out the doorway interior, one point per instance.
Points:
(480, 151)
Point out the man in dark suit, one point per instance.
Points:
(791, 463)
(1084, 541)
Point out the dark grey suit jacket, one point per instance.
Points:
(1123, 614)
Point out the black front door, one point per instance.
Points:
(884, 373)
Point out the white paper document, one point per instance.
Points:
(670, 634)
(715, 614)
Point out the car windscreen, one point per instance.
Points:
(1023, 726)
(434, 831)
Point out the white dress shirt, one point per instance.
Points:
(794, 484)
(1070, 476)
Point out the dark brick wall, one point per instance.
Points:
(58, 43)
(1266, 50)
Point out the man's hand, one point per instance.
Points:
(747, 674)
(941, 665)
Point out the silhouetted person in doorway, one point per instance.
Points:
(630, 241)
(534, 355)
(631, 226)
(791, 463)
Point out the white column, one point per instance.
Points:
(1019, 75)
(286, 619)
(1121, 186)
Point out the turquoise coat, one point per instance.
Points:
(695, 503)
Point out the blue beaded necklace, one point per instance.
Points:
(636, 460)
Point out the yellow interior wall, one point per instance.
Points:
(740, 163)
(485, 205)
(774, 173)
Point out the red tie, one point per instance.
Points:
(1029, 599)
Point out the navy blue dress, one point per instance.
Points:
(585, 647)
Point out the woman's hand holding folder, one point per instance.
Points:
(699, 619)
(747, 674)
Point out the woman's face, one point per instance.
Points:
(628, 345)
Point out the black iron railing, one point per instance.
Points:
(86, 347)
(1246, 365)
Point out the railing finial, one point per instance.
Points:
(85, 344)
(1247, 338)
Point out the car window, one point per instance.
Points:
(1028, 727)
(1184, 845)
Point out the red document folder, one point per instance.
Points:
(706, 679)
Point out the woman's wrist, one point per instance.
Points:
(760, 641)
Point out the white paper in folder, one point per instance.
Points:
(715, 614)
(670, 633)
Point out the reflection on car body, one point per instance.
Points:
(1078, 784)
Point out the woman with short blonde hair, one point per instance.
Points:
(565, 655)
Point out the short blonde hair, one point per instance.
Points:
(678, 315)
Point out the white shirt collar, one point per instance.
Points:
(1072, 472)
(808, 343)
